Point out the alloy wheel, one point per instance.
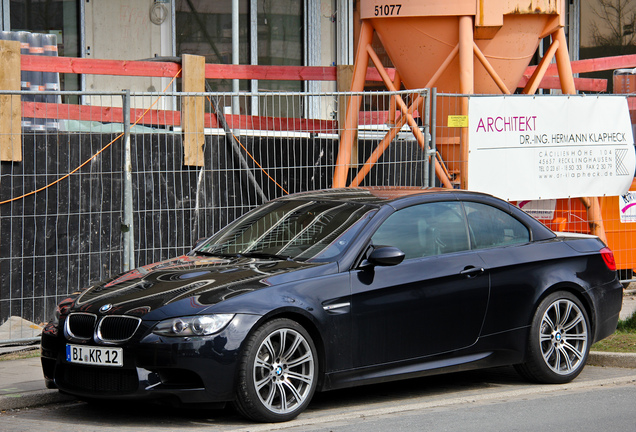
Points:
(563, 336)
(284, 371)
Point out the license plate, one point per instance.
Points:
(94, 355)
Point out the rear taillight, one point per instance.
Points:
(608, 257)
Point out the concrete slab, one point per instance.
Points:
(16, 328)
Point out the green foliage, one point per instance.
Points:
(623, 340)
(628, 325)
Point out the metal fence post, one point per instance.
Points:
(427, 136)
(433, 145)
(127, 226)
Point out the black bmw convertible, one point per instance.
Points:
(330, 289)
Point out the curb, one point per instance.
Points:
(610, 359)
(34, 398)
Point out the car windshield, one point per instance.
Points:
(291, 229)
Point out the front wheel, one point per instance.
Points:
(559, 340)
(277, 373)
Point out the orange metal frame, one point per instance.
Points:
(466, 49)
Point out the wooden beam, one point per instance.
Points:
(10, 106)
(592, 65)
(99, 67)
(584, 84)
(193, 110)
(173, 118)
(171, 69)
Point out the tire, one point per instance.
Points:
(278, 372)
(559, 340)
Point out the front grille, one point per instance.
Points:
(117, 328)
(97, 380)
(80, 325)
(111, 329)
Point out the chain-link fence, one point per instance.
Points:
(613, 218)
(96, 192)
(104, 188)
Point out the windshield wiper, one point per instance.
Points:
(217, 254)
(255, 254)
(259, 254)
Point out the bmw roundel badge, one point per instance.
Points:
(106, 308)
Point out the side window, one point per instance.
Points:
(425, 230)
(491, 227)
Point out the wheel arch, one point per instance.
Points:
(579, 292)
(308, 322)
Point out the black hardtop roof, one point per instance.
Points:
(374, 194)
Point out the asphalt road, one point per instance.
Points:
(490, 400)
(607, 408)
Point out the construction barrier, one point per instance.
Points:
(113, 187)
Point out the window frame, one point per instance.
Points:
(462, 214)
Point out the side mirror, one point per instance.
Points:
(386, 256)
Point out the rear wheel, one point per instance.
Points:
(559, 340)
(277, 372)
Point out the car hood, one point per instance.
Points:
(194, 282)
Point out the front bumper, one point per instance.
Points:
(192, 370)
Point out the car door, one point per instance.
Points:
(516, 265)
(433, 302)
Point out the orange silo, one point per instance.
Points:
(457, 46)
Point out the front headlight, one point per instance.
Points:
(202, 325)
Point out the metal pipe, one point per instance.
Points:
(397, 83)
(427, 133)
(466, 65)
(343, 161)
(403, 108)
(235, 55)
(574, 29)
(254, 51)
(173, 51)
(4, 19)
(433, 143)
(563, 63)
(491, 71)
(82, 50)
(344, 32)
(539, 72)
(466, 86)
(229, 136)
(127, 226)
(384, 144)
(451, 56)
(595, 217)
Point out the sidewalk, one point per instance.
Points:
(22, 382)
(22, 385)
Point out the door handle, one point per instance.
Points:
(472, 271)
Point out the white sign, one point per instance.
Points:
(627, 207)
(543, 209)
(548, 147)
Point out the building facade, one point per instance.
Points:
(263, 32)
